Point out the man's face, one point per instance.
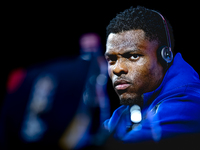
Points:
(132, 65)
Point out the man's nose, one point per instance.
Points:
(120, 67)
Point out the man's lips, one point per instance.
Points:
(121, 84)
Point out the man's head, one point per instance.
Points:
(131, 51)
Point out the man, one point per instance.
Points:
(159, 93)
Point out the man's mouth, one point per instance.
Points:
(121, 84)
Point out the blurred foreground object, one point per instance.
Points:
(57, 105)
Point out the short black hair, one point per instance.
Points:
(142, 18)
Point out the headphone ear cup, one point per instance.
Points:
(165, 55)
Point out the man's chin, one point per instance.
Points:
(131, 100)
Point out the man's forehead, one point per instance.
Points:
(130, 41)
(125, 39)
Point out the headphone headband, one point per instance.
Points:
(166, 29)
(166, 51)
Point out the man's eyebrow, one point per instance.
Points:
(126, 52)
(108, 54)
(132, 51)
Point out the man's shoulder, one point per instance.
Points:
(193, 89)
(181, 103)
(189, 91)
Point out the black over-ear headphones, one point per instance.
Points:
(164, 53)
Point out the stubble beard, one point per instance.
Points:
(138, 100)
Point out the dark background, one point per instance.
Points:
(37, 32)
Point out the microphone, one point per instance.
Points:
(135, 117)
(135, 113)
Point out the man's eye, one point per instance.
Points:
(111, 58)
(135, 57)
